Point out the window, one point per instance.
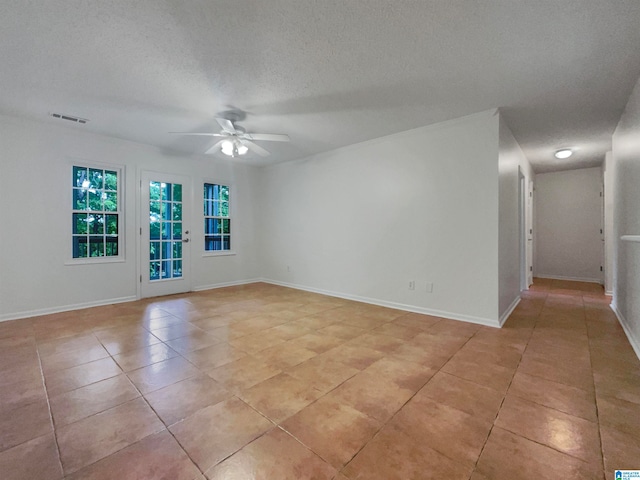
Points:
(95, 212)
(217, 221)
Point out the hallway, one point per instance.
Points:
(264, 382)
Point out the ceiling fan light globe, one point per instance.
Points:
(242, 149)
(227, 147)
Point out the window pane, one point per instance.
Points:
(154, 209)
(215, 242)
(223, 209)
(177, 250)
(177, 268)
(177, 192)
(95, 178)
(208, 208)
(96, 246)
(79, 176)
(208, 226)
(95, 200)
(111, 224)
(226, 226)
(110, 180)
(154, 270)
(166, 250)
(177, 211)
(154, 229)
(208, 191)
(166, 211)
(166, 231)
(166, 269)
(226, 245)
(79, 199)
(177, 231)
(79, 223)
(154, 190)
(165, 190)
(154, 250)
(96, 224)
(224, 193)
(110, 201)
(111, 246)
(79, 247)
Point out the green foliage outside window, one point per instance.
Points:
(95, 218)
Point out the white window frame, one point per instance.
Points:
(120, 170)
(232, 209)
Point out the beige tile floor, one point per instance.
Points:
(265, 382)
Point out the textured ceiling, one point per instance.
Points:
(328, 73)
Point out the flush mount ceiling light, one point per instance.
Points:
(564, 153)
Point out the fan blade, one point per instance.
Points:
(214, 148)
(227, 125)
(206, 134)
(253, 147)
(268, 137)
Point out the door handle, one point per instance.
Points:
(186, 240)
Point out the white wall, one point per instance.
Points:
(511, 160)
(365, 220)
(568, 222)
(35, 178)
(626, 179)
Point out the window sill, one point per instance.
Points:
(93, 261)
(219, 253)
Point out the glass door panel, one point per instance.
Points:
(165, 235)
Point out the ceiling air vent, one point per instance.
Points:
(70, 118)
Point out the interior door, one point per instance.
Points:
(164, 234)
(522, 235)
(530, 234)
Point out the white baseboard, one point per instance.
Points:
(399, 306)
(226, 284)
(383, 303)
(509, 311)
(65, 308)
(573, 279)
(608, 293)
(110, 301)
(635, 342)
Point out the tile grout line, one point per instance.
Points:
(535, 441)
(404, 404)
(339, 470)
(53, 424)
(166, 427)
(141, 395)
(493, 424)
(595, 396)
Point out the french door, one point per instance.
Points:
(164, 234)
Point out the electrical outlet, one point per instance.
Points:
(429, 287)
(412, 284)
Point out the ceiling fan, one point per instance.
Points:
(236, 141)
